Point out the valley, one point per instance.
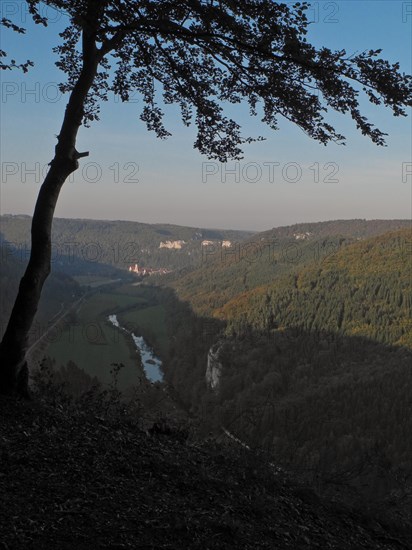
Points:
(296, 341)
(240, 382)
(94, 343)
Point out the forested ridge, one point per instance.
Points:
(354, 228)
(81, 246)
(315, 368)
(264, 257)
(362, 290)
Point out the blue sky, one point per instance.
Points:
(132, 175)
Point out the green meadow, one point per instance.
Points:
(93, 343)
(87, 280)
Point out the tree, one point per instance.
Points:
(199, 54)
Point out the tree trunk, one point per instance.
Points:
(13, 348)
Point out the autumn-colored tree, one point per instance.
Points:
(200, 55)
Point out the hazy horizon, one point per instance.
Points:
(210, 227)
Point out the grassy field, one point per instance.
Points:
(94, 344)
(106, 303)
(91, 280)
(139, 291)
(94, 347)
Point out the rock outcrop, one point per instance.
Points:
(214, 366)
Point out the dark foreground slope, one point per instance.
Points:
(72, 476)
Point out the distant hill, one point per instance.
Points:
(264, 257)
(84, 246)
(364, 289)
(355, 229)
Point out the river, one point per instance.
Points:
(151, 364)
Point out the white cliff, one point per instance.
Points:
(214, 366)
(174, 245)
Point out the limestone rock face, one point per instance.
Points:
(214, 366)
(176, 245)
